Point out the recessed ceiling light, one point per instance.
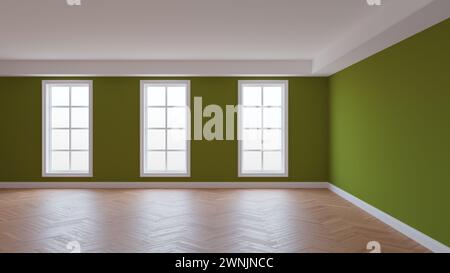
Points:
(73, 2)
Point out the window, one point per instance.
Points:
(67, 128)
(165, 128)
(263, 128)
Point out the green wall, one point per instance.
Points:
(116, 131)
(386, 120)
(390, 131)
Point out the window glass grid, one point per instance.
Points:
(261, 106)
(70, 128)
(164, 152)
(262, 128)
(75, 165)
(71, 106)
(165, 106)
(163, 128)
(71, 150)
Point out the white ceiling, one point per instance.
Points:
(310, 34)
(175, 29)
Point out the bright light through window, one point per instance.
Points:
(67, 128)
(165, 128)
(263, 128)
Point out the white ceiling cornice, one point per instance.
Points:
(156, 68)
(392, 24)
(396, 24)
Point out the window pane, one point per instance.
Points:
(60, 96)
(176, 161)
(273, 161)
(60, 117)
(261, 126)
(156, 139)
(176, 117)
(272, 139)
(251, 117)
(80, 96)
(176, 96)
(272, 96)
(272, 117)
(166, 127)
(156, 161)
(80, 161)
(251, 96)
(156, 117)
(60, 140)
(251, 161)
(251, 139)
(59, 161)
(80, 118)
(80, 139)
(176, 139)
(67, 105)
(156, 96)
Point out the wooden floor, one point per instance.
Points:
(235, 220)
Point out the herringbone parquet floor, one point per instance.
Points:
(197, 220)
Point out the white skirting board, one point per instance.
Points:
(407, 230)
(163, 185)
(396, 224)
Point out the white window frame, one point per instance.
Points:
(143, 128)
(285, 132)
(46, 129)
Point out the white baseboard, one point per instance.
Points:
(407, 230)
(163, 185)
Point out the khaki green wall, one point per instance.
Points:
(390, 131)
(386, 120)
(116, 131)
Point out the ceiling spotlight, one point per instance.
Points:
(73, 2)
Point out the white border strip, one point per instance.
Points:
(46, 127)
(206, 68)
(285, 122)
(403, 228)
(394, 22)
(163, 185)
(407, 230)
(143, 126)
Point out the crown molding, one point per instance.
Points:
(393, 25)
(156, 68)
